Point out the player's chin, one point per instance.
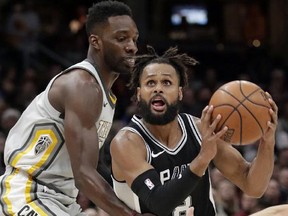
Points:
(124, 70)
(126, 67)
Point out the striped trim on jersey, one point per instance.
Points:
(193, 127)
(174, 151)
(25, 194)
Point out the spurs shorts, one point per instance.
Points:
(21, 195)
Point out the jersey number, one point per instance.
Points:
(182, 209)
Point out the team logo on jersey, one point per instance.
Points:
(149, 183)
(154, 155)
(43, 142)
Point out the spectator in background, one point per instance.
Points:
(8, 119)
(283, 180)
(282, 129)
(248, 205)
(227, 202)
(23, 26)
(277, 87)
(273, 194)
(283, 158)
(216, 177)
(2, 143)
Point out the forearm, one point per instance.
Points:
(163, 199)
(260, 171)
(102, 195)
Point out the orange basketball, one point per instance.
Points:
(244, 108)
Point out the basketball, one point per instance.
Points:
(244, 108)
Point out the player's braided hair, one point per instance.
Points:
(180, 61)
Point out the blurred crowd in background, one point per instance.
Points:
(38, 39)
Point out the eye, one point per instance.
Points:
(167, 82)
(121, 39)
(150, 83)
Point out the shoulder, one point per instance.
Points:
(77, 83)
(126, 137)
(126, 141)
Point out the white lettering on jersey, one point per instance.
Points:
(103, 130)
(165, 175)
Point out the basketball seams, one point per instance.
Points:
(247, 98)
(241, 102)
(230, 114)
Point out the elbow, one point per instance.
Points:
(81, 176)
(255, 193)
(79, 181)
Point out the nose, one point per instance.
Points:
(131, 47)
(158, 88)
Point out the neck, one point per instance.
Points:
(108, 77)
(168, 134)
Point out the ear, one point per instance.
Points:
(180, 93)
(138, 94)
(95, 41)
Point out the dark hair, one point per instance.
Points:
(101, 11)
(181, 63)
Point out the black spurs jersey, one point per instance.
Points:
(170, 163)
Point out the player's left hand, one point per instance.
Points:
(269, 135)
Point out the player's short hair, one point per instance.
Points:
(180, 61)
(101, 11)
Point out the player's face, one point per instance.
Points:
(119, 43)
(159, 93)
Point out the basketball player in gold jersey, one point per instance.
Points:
(52, 151)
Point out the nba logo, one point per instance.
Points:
(149, 184)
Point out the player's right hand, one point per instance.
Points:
(209, 136)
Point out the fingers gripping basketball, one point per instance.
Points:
(244, 108)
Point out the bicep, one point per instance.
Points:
(81, 112)
(128, 153)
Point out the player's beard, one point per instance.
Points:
(158, 119)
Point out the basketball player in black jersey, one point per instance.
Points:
(160, 160)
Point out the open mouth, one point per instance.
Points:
(158, 104)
